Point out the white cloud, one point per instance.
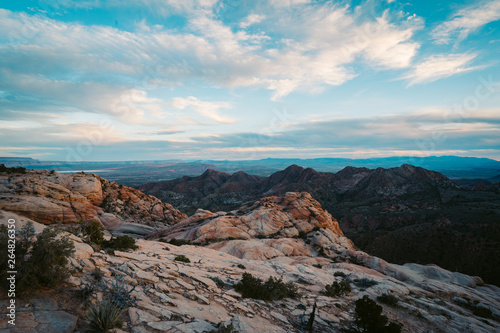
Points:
(310, 49)
(206, 109)
(466, 21)
(440, 66)
(252, 19)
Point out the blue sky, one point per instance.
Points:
(240, 79)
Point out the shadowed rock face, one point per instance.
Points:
(66, 198)
(289, 225)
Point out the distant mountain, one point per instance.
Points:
(376, 208)
(134, 173)
(495, 179)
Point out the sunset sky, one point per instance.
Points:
(243, 79)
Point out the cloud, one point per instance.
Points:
(206, 109)
(467, 21)
(440, 66)
(296, 50)
(251, 19)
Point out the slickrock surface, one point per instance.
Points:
(65, 198)
(293, 224)
(173, 296)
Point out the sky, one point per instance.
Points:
(96, 80)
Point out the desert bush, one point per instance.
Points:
(365, 283)
(120, 293)
(369, 319)
(337, 289)
(182, 258)
(221, 328)
(3, 168)
(93, 233)
(218, 281)
(104, 316)
(179, 242)
(120, 243)
(272, 289)
(241, 266)
(339, 273)
(388, 299)
(40, 260)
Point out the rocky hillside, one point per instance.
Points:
(291, 225)
(388, 212)
(51, 197)
(164, 294)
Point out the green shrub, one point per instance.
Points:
(365, 283)
(337, 289)
(104, 316)
(369, 319)
(388, 299)
(40, 260)
(241, 266)
(93, 233)
(182, 258)
(179, 242)
(272, 289)
(221, 328)
(218, 281)
(120, 243)
(339, 273)
(3, 168)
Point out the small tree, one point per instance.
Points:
(41, 260)
(337, 289)
(93, 233)
(369, 318)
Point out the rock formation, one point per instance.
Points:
(51, 198)
(293, 224)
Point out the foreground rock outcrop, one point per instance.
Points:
(293, 224)
(51, 197)
(172, 296)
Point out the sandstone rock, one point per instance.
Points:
(138, 316)
(66, 198)
(55, 321)
(246, 325)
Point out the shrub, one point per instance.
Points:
(93, 233)
(369, 319)
(179, 242)
(221, 328)
(339, 273)
(388, 299)
(3, 168)
(120, 243)
(218, 281)
(365, 283)
(272, 289)
(337, 289)
(182, 258)
(40, 261)
(241, 266)
(104, 316)
(120, 294)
